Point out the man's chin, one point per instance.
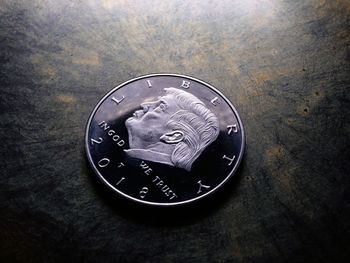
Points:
(129, 122)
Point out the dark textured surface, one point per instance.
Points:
(285, 65)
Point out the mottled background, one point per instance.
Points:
(285, 65)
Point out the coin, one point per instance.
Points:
(164, 139)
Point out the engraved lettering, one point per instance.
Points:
(173, 196)
(96, 141)
(155, 179)
(121, 165)
(143, 192)
(160, 183)
(120, 143)
(148, 171)
(115, 137)
(122, 179)
(103, 162)
(149, 83)
(146, 168)
(185, 84)
(215, 101)
(118, 100)
(143, 165)
(230, 159)
(168, 192)
(232, 128)
(201, 186)
(104, 125)
(164, 187)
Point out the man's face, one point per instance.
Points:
(149, 124)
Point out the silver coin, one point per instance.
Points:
(164, 139)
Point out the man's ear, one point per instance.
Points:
(172, 137)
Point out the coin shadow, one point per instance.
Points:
(181, 215)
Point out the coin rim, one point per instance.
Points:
(155, 203)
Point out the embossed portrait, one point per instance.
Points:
(173, 130)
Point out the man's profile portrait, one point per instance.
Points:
(173, 130)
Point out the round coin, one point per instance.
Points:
(164, 139)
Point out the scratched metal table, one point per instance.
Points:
(285, 65)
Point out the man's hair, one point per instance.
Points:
(198, 124)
